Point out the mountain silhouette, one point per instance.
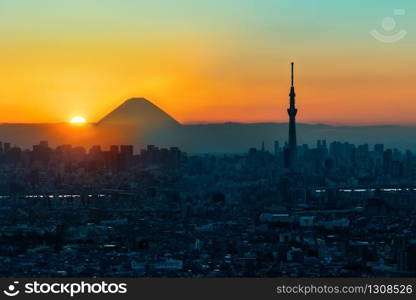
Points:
(138, 112)
(139, 122)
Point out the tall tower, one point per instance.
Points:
(292, 111)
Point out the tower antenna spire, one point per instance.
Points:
(292, 65)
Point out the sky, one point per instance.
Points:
(208, 60)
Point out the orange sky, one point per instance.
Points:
(209, 66)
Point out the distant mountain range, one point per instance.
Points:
(139, 122)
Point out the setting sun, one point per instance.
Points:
(77, 120)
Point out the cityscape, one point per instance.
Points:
(334, 209)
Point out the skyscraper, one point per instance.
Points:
(292, 111)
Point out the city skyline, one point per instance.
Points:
(205, 61)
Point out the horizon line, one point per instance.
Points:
(195, 123)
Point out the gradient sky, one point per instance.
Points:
(207, 61)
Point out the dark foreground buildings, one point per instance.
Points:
(111, 212)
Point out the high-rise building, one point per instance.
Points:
(95, 150)
(276, 148)
(126, 155)
(379, 148)
(126, 150)
(114, 150)
(6, 147)
(44, 144)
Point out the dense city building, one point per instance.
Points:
(69, 211)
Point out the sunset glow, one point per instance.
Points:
(206, 61)
(78, 120)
